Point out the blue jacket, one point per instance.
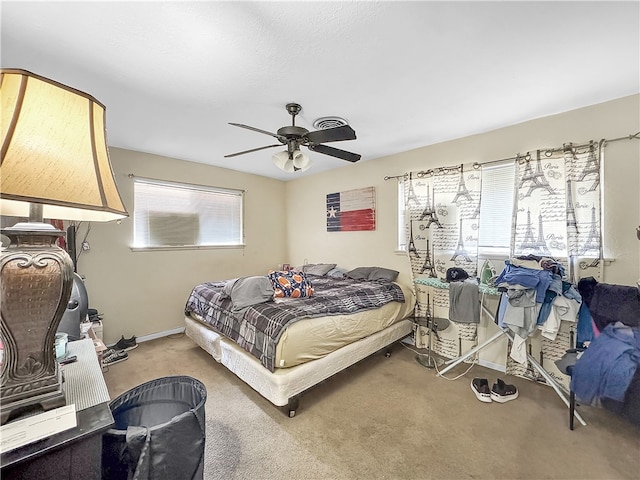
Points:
(607, 367)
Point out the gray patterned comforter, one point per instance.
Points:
(257, 328)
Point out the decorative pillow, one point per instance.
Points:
(290, 284)
(247, 291)
(372, 273)
(319, 269)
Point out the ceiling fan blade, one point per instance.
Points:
(255, 130)
(335, 152)
(336, 134)
(252, 150)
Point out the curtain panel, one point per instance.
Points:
(442, 212)
(557, 208)
(556, 213)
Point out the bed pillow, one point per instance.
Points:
(248, 291)
(360, 273)
(379, 273)
(319, 269)
(372, 273)
(337, 272)
(290, 284)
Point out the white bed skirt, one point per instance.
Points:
(285, 383)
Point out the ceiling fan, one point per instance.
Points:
(294, 137)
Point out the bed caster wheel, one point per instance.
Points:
(292, 413)
(387, 354)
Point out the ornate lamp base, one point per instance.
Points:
(36, 280)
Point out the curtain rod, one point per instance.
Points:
(518, 156)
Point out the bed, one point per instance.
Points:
(281, 347)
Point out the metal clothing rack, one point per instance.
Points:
(510, 335)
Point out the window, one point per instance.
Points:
(496, 210)
(178, 215)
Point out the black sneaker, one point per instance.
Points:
(111, 357)
(501, 392)
(126, 344)
(480, 387)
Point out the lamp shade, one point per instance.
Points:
(54, 151)
(298, 162)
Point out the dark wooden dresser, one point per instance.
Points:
(74, 453)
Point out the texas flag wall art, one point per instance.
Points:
(352, 210)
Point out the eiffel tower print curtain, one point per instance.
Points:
(557, 214)
(557, 208)
(442, 212)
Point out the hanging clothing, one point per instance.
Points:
(539, 280)
(562, 308)
(585, 332)
(464, 301)
(518, 311)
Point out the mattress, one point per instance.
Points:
(313, 338)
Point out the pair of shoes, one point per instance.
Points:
(126, 343)
(500, 392)
(111, 356)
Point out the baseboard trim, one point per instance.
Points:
(153, 336)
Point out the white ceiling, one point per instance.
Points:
(404, 74)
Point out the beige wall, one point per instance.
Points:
(143, 293)
(351, 249)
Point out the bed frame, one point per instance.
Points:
(284, 386)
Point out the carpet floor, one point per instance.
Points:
(389, 418)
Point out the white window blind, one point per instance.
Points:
(168, 214)
(496, 209)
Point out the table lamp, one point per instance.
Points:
(54, 165)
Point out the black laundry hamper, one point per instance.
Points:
(159, 432)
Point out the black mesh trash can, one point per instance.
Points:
(159, 432)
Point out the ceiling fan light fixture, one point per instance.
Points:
(298, 163)
(281, 160)
(332, 129)
(301, 162)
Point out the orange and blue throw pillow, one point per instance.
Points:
(290, 284)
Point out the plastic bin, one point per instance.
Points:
(159, 431)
